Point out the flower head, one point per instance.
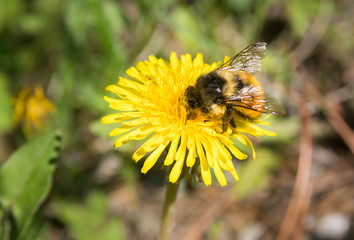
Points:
(31, 108)
(151, 105)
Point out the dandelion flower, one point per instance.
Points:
(150, 105)
(31, 109)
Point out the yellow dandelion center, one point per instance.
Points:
(150, 103)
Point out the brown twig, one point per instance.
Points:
(342, 128)
(332, 107)
(300, 199)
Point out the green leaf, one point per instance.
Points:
(25, 180)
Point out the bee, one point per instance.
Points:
(231, 91)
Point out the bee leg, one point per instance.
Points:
(224, 125)
(232, 122)
(228, 118)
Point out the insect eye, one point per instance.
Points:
(218, 101)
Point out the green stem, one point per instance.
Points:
(168, 211)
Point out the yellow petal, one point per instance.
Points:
(125, 93)
(224, 157)
(153, 59)
(137, 134)
(262, 131)
(129, 94)
(234, 173)
(181, 152)
(192, 152)
(123, 82)
(198, 61)
(148, 146)
(262, 122)
(136, 122)
(242, 138)
(135, 74)
(176, 171)
(237, 153)
(120, 130)
(172, 152)
(151, 160)
(226, 58)
(118, 117)
(186, 60)
(120, 105)
(219, 174)
(143, 67)
(191, 157)
(174, 61)
(203, 164)
(208, 151)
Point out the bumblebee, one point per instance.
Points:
(231, 91)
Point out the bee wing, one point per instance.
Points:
(248, 60)
(272, 106)
(265, 104)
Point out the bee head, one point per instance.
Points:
(193, 98)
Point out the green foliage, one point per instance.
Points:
(215, 230)
(5, 105)
(300, 15)
(255, 174)
(25, 181)
(287, 130)
(90, 220)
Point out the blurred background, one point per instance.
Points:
(57, 57)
